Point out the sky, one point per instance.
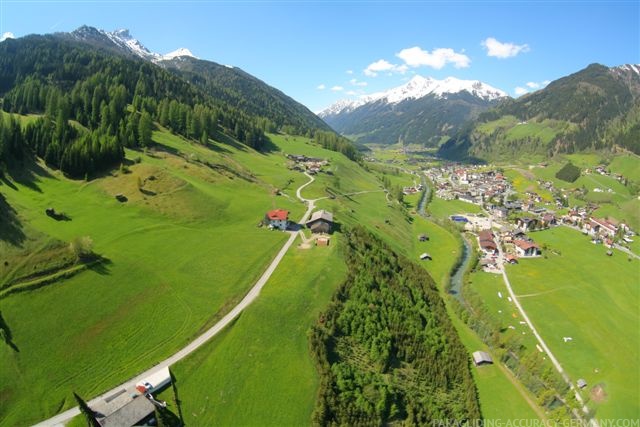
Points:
(318, 52)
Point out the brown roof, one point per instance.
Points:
(523, 244)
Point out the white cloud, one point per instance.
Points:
(337, 88)
(349, 71)
(356, 82)
(351, 93)
(7, 35)
(380, 65)
(503, 50)
(321, 87)
(438, 58)
(521, 90)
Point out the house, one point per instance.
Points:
(320, 222)
(133, 413)
(423, 238)
(548, 220)
(500, 212)
(603, 226)
(487, 244)
(527, 224)
(482, 358)
(581, 383)
(425, 256)
(525, 249)
(512, 259)
(277, 218)
(297, 157)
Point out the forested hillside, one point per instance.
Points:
(93, 103)
(247, 93)
(597, 108)
(385, 347)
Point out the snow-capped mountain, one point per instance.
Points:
(418, 87)
(422, 111)
(122, 40)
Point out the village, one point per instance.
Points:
(503, 229)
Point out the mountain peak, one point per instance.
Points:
(124, 41)
(183, 51)
(416, 88)
(123, 34)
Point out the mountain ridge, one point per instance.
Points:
(422, 111)
(595, 108)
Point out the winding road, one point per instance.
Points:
(66, 416)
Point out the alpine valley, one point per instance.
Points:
(182, 243)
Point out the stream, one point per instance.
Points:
(458, 275)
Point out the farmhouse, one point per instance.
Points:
(525, 248)
(548, 220)
(482, 358)
(487, 244)
(278, 218)
(321, 222)
(602, 226)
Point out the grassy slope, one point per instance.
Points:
(177, 260)
(594, 299)
(260, 372)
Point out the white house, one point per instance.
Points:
(278, 218)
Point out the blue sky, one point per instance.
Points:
(362, 46)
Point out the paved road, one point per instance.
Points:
(544, 346)
(66, 416)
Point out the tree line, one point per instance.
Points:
(385, 347)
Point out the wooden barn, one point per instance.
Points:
(321, 222)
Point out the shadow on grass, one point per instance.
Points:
(28, 173)
(10, 225)
(268, 147)
(7, 336)
(101, 265)
(180, 418)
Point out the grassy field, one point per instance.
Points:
(594, 299)
(178, 255)
(440, 208)
(260, 371)
(501, 396)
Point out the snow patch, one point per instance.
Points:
(418, 87)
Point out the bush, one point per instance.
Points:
(568, 173)
(82, 248)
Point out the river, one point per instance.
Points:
(458, 275)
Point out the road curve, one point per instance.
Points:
(66, 416)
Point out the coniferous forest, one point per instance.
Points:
(385, 347)
(94, 103)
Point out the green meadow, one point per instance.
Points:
(501, 396)
(177, 255)
(260, 371)
(583, 294)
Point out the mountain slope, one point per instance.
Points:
(246, 92)
(422, 111)
(595, 108)
(229, 84)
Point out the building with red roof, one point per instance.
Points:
(278, 218)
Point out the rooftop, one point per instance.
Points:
(278, 214)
